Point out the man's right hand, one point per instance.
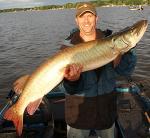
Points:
(73, 71)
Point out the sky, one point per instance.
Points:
(6, 4)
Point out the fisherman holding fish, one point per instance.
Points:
(88, 70)
(90, 99)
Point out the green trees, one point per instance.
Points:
(128, 2)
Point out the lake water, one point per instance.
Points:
(27, 38)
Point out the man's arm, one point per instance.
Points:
(127, 63)
(117, 60)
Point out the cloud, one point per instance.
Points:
(10, 1)
(21, 3)
(4, 4)
(21, 0)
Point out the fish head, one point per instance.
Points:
(135, 32)
(130, 36)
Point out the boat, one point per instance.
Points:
(134, 110)
(140, 7)
(48, 121)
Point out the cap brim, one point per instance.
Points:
(79, 14)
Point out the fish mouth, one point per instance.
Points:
(136, 32)
(140, 27)
(144, 23)
(142, 30)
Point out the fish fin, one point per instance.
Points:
(33, 106)
(19, 84)
(13, 115)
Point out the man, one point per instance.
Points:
(90, 97)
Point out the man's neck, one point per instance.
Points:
(88, 37)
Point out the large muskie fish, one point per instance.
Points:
(90, 55)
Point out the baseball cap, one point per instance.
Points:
(85, 7)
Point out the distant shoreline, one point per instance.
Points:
(60, 7)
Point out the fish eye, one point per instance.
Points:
(132, 29)
(114, 39)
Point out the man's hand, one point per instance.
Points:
(117, 60)
(73, 71)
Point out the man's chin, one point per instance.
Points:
(88, 32)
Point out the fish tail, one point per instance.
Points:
(13, 115)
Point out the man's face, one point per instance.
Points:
(86, 23)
